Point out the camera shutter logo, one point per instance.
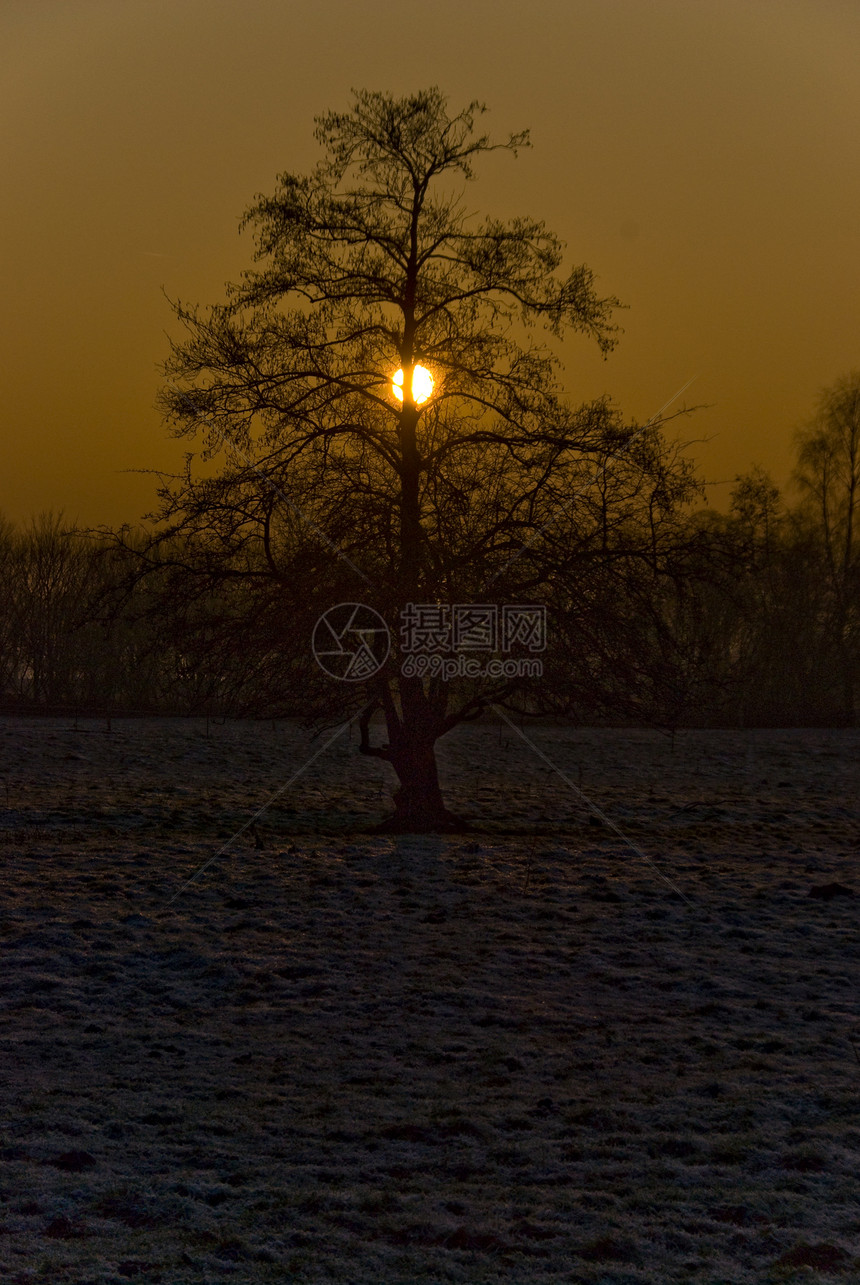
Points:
(351, 642)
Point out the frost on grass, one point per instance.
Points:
(516, 1056)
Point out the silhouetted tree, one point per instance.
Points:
(328, 489)
(828, 477)
(47, 573)
(791, 604)
(772, 632)
(9, 601)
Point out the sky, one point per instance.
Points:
(699, 155)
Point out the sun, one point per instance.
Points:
(422, 385)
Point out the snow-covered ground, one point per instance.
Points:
(540, 1052)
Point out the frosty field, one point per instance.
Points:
(516, 1055)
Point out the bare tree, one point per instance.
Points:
(329, 487)
(9, 601)
(46, 576)
(770, 629)
(828, 477)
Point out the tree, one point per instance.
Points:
(496, 489)
(828, 477)
(9, 619)
(764, 635)
(47, 575)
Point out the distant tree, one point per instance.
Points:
(771, 629)
(47, 576)
(154, 649)
(328, 488)
(757, 507)
(828, 478)
(9, 646)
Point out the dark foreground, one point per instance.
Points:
(516, 1056)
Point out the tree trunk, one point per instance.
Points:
(418, 804)
(413, 731)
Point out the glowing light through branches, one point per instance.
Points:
(422, 385)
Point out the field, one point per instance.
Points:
(539, 1052)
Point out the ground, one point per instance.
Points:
(537, 1053)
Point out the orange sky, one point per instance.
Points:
(699, 155)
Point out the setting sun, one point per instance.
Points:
(422, 385)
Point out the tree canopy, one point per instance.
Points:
(496, 488)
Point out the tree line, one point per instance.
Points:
(754, 620)
(73, 640)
